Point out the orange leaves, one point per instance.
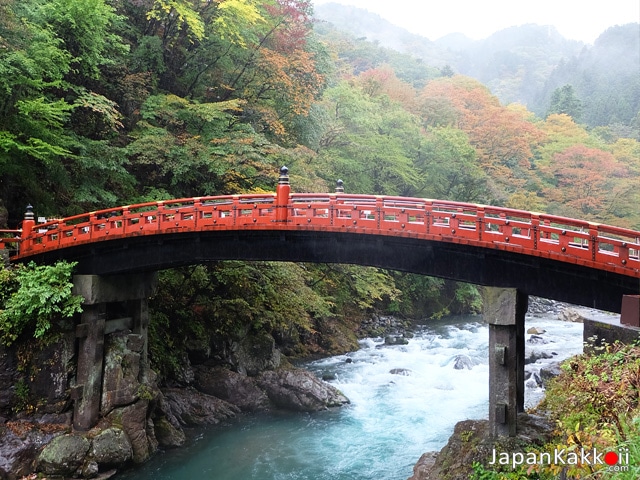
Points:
(292, 79)
(503, 137)
(583, 175)
(383, 81)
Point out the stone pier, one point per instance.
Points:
(504, 312)
(102, 294)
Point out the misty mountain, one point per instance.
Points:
(522, 64)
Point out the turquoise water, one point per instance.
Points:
(391, 421)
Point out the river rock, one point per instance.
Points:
(189, 407)
(133, 419)
(64, 455)
(537, 340)
(571, 315)
(255, 353)
(395, 340)
(462, 362)
(405, 372)
(232, 387)
(534, 381)
(536, 331)
(536, 355)
(168, 436)
(111, 447)
(299, 390)
(549, 371)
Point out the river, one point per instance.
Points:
(391, 421)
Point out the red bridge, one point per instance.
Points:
(527, 253)
(560, 258)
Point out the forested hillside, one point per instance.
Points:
(114, 102)
(529, 64)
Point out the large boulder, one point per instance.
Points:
(64, 455)
(232, 387)
(463, 362)
(471, 442)
(20, 443)
(189, 407)
(111, 447)
(299, 390)
(168, 435)
(133, 419)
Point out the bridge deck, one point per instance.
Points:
(592, 245)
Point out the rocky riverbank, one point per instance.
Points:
(471, 442)
(138, 414)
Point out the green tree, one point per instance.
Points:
(564, 100)
(449, 167)
(33, 297)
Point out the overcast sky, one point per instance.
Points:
(581, 20)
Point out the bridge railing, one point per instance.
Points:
(520, 231)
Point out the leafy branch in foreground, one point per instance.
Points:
(34, 296)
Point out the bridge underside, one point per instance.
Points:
(537, 276)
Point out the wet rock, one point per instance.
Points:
(64, 455)
(537, 340)
(543, 306)
(534, 381)
(549, 371)
(571, 315)
(395, 340)
(536, 355)
(133, 419)
(327, 377)
(121, 383)
(299, 390)
(111, 447)
(232, 387)
(90, 469)
(189, 407)
(168, 436)
(471, 442)
(424, 466)
(462, 362)
(536, 331)
(255, 353)
(405, 372)
(20, 444)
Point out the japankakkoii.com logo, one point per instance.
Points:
(614, 461)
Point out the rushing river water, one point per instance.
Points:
(393, 417)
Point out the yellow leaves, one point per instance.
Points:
(235, 18)
(163, 10)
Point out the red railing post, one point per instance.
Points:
(27, 228)
(282, 196)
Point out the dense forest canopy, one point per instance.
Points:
(111, 102)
